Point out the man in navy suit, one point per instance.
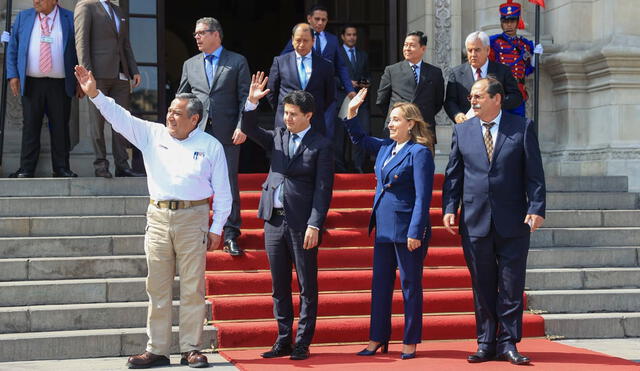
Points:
(463, 76)
(495, 173)
(301, 69)
(326, 45)
(294, 203)
(40, 58)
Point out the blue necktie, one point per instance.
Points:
(208, 67)
(303, 73)
(353, 56)
(415, 72)
(318, 47)
(292, 145)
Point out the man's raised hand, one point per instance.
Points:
(86, 81)
(356, 102)
(256, 89)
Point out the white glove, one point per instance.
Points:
(5, 37)
(538, 49)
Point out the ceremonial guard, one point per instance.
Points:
(512, 50)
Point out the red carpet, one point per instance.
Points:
(433, 355)
(239, 288)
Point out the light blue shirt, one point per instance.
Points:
(106, 7)
(323, 41)
(494, 128)
(306, 74)
(276, 202)
(214, 66)
(348, 51)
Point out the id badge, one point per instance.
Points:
(46, 39)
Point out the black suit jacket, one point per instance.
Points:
(358, 70)
(283, 79)
(460, 82)
(398, 84)
(307, 175)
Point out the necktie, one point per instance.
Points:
(353, 56)
(112, 14)
(292, 144)
(208, 67)
(414, 67)
(303, 74)
(318, 48)
(478, 74)
(45, 47)
(488, 140)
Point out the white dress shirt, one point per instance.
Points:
(57, 49)
(494, 128)
(394, 152)
(190, 169)
(483, 70)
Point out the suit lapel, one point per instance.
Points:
(222, 66)
(285, 142)
(293, 65)
(302, 147)
(201, 73)
(503, 132)
(314, 65)
(408, 71)
(64, 22)
(112, 22)
(478, 137)
(396, 160)
(422, 78)
(30, 20)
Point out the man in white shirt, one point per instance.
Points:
(40, 60)
(185, 166)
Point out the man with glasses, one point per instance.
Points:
(220, 78)
(479, 66)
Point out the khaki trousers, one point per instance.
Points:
(176, 236)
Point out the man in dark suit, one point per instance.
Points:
(220, 78)
(294, 204)
(462, 77)
(495, 173)
(357, 62)
(413, 80)
(103, 47)
(301, 69)
(40, 59)
(325, 44)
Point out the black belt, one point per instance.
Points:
(279, 212)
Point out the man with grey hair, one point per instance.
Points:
(220, 78)
(479, 66)
(185, 167)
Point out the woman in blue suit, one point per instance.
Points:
(404, 181)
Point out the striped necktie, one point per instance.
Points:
(488, 140)
(45, 47)
(414, 67)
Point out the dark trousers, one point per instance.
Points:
(498, 268)
(120, 91)
(232, 226)
(284, 247)
(386, 257)
(342, 144)
(45, 96)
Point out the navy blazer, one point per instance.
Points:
(19, 46)
(283, 79)
(505, 190)
(330, 53)
(307, 175)
(403, 187)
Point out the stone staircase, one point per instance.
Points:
(72, 265)
(72, 269)
(584, 265)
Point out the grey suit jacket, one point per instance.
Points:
(224, 100)
(398, 84)
(101, 48)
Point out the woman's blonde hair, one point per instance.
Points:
(420, 132)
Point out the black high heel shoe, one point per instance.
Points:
(367, 352)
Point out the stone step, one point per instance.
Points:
(592, 218)
(76, 291)
(84, 343)
(584, 301)
(72, 225)
(583, 257)
(584, 237)
(587, 184)
(68, 317)
(593, 325)
(73, 206)
(74, 268)
(592, 201)
(582, 278)
(58, 246)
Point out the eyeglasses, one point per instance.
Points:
(476, 96)
(201, 33)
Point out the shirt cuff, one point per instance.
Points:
(98, 99)
(313, 227)
(216, 227)
(248, 106)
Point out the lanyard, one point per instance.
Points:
(53, 21)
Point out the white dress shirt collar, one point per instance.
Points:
(483, 70)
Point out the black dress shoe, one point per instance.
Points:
(300, 352)
(481, 356)
(64, 173)
(514, 357)
(278, 350)
(21, 173)
(103, 173)
(231, 247)
(128, 173)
